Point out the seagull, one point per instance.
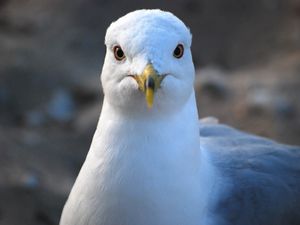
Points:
(153, 162)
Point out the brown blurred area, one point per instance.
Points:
(247, 57)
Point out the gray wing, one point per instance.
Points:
(259, 178)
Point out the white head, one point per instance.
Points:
(143, 44)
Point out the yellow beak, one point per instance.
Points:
(149, 81)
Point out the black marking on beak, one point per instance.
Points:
(150, 83)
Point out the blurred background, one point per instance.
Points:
(247, 57)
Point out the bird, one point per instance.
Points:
(153, 162)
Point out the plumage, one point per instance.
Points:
(160, 165)
(263, 179)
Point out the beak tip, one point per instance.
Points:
(149, 97)
(149, 105)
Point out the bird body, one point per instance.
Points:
(259, 178)
(152, 163)
(128, 179)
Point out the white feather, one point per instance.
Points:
(151, 167)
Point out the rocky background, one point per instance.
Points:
(247, 55)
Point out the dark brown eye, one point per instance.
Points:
(118, 52)
(178, 51)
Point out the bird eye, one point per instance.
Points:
(178, 51)
(118, 52)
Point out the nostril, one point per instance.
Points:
(150, 83)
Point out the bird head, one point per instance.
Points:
(148, 64)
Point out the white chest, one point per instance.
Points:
(140, 173)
